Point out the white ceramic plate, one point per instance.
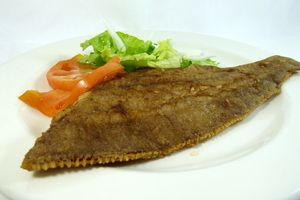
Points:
(257, 158)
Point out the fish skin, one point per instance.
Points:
(151, 113)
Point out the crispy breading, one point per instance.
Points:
(150, 113)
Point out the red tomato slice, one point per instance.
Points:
(48, 103)
(67, 73)
(31, 98)
(105, 73)
(52, 101)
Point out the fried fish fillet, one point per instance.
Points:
(150, 113)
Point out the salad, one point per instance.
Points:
(135, 53)
(113, 53)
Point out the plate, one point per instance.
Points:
(255, 158)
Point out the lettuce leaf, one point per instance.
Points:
(166, 56)
(186, 63)
(138, 53)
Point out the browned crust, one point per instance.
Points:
(100, 159)
(43, 162)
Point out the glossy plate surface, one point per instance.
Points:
(252, 159)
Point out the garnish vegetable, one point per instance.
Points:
(52, 102)
(138, 53)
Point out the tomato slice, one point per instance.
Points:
(105, 73)
(48, 103)
(67, 73)
(52, 101)
(32, 98)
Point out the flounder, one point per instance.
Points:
(151, 113)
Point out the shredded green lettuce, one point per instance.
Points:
(208, 61)
(138, 53)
